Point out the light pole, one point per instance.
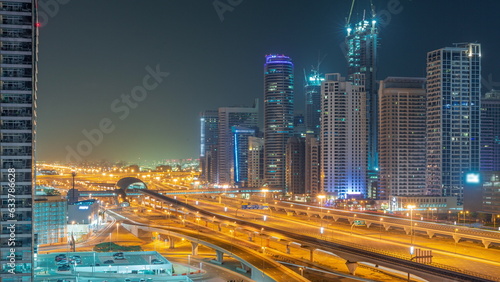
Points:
(265, 190)
(321, 197)
(117, 225)
(411, 207)
(381, 219)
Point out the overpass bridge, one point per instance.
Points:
(352, 254)
(260, 267)
(431, 229)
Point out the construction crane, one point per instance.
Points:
(372, 7)
(348, 19)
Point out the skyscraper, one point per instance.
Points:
(312, 166)
(209, 133)
(295, 165)
(343, 136)
(240, 152)
(278, 116)
(453, 117)
(229, 117)
(402, 137)
(255, 161)
(312, 91)
(362, 42)
(18, 56)
(490, 131)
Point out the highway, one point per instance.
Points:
(311, 234)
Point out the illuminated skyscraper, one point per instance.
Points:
(490, 131)
(229, 117)
(453, 117)
(402, 137)
(362, 42)
(343, 137)
(278, 116)
(312, 91)
(295, 165)
(255, 162)
(209, 125)
(240, 152)
(18, 58)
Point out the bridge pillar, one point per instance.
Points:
(352, 267)
(386, 227)
(220, 256)
(287, 249)
(368, 224)
(194, 248)
(335, 218)
(456, 237)
(171, 242)
(250, 236)
(311, 255)
(244, 268)
(430, 234)
(486, 243)
(407, 230)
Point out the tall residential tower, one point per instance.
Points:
(343, 137)
(362, 42)
(229, 117)
(18, 58)
(453, 117)
(402, 137)
(278, 117)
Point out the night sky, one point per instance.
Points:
(92, 52)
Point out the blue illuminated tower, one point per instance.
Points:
(312, 91)
(229, 117)
(209, 133)
(278, 117)
(362, 42)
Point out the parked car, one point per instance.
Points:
(60, 257)
(157, 261)
(62, 262)
(109, 261)
(118, 256)
(63, 268)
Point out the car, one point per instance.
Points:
(62, 262)
(109, 261)
(157, 261)
(127, 280)
(118, 254)
(63, 268)
(60, 257)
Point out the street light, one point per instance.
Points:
(411, 207)
(464, 212)
(321, 197)
(494, 220)
(265, 190)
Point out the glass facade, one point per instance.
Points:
(362, 43)
(50, 221)
(18, 59)
(453, 117)
(278, 117)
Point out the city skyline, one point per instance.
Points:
(81, 79)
